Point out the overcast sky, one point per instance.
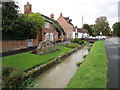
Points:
(74, 9)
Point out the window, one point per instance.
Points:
(47, 24)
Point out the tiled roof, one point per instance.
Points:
(68, 20)
(56, 24)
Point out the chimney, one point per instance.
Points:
(60, 14)
(27, 3)
(27, 8)
(52, 16)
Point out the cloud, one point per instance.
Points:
(90, 9)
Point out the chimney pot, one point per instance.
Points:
(61, 14)
(52, 16)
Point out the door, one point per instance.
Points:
(30, 42)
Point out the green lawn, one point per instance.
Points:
(92, 72)
(24, 61)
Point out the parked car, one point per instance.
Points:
(91, 37)
(100, 37)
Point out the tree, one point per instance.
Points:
(9, 15)
(38, 21)
(116, 28)
(23, 28)
(28, 25)
(88, 28)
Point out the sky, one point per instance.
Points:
(74, 9)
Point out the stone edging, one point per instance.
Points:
(38, 69)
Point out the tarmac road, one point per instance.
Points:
(112, 47)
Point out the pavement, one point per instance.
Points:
(112, 50)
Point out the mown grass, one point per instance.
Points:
(26, 60)
(92, 72)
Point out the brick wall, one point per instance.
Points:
(15, 44)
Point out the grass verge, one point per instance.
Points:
(92, 72)
(24, 61)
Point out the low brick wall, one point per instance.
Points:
(15, 44)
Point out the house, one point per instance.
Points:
(80, 33)
(51, 31)
(67, 26)
(75, 32)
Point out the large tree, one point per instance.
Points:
(38, 21)
(19, 26)
(116, 28)
(9, 15)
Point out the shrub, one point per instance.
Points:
(80, 42)
(75, 40)
(10, 75)
(72, 45)
(30, 82)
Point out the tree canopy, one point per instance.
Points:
(116, 28)
(87, 27)
(19, 26)
(9, 15)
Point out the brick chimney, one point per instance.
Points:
(52, 16)
(27, 8)
(60, 14)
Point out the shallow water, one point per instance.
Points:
(59, 75)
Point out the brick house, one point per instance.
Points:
(51, 31)
(67, 26)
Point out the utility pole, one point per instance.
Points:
(82, 21)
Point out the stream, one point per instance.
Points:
(60, 74)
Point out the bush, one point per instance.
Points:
(81, 42)
(30, 82)
(9, 76)
(72, 45)
(75, 40)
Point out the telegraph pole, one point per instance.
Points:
(82, 21)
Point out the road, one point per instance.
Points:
(112, 47)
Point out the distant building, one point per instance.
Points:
(80, 33)
(67, 26)
(101, 19)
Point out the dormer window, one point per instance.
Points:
(47, 24)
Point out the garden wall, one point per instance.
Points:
(17, 44)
